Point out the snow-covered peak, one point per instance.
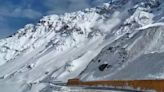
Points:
(50, 30)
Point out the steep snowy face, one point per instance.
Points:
(98, 43)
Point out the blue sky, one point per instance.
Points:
(14, 14)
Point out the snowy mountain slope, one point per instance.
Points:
(122, 58)
(136, 57)
(107, 42)
(46, 48)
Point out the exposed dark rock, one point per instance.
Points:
(102, 67)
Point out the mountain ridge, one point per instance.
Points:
(107, 42)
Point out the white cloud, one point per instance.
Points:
(19, 12)
(79, 4)
(28, 13)
(66, 5)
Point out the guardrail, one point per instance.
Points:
(157, 85)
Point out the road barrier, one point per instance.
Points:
(157, 85)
